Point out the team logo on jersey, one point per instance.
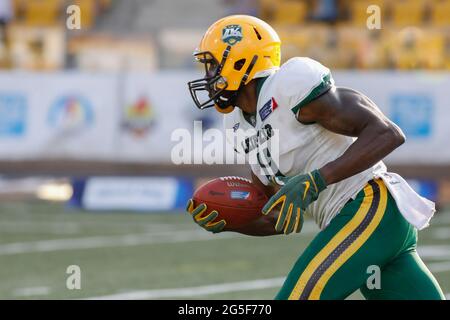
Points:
(232, 34)
(236, 127)
(268, 108)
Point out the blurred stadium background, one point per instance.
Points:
(86, 118)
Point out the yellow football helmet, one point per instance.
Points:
(234, 50)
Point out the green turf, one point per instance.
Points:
(126, 265)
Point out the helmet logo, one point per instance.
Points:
(232, 34)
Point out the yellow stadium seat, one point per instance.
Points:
(322, 45)
(407, 12)
(290, 12)
(294, 41)
(350, 36)
(18, 6)
(265, 9)
(440, 13)
(403, 48)
(351, 44)
(431, 49)
(359, 9)
(406, 60)
(447, 62)
(42, 12)
(88, 13)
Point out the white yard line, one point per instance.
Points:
(201, 290)
(70, 227)
(20, 227)
(195, 291)
(429, 252)
(31, 291)
(110, 241)
(221, 288)
(126, 240)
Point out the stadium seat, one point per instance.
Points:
(440, 13)
(407, 12)
(358, 49)
(322, 45)
(36, 48)
(431, 49)
(266, 8)
(42, 12)
(87, 13)
(18, 6)
(359, 13)
(447, 62)
(290, 12)
(406, 60)
(402, 48)
(294, 41)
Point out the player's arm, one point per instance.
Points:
(262, 227)
(348, 112)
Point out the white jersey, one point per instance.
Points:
(302, 148)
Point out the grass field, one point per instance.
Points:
(156, 256)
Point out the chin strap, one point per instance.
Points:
(224, 110)
(231, 101)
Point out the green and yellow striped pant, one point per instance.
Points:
(369, 234)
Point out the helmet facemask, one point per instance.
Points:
(214, 84)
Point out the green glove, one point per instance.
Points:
(205, 221)
(295, 196)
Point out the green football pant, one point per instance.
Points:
(368, 240)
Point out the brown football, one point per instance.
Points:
(236, 199)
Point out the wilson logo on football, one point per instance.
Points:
(235, 184)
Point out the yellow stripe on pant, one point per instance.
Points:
(368, 203)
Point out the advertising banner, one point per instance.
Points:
(134, 193)
(418, 103)
(153, 107)
(54, 116)
(139, 117)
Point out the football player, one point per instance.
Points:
(331, 144)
